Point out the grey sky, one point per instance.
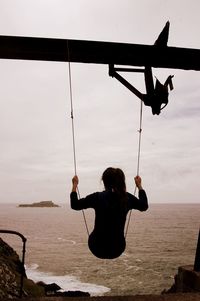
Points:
(36, 160)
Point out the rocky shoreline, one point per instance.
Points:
(185, 288)
(11, 269)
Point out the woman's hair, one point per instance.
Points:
(114, 179)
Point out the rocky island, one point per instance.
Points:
(40, 204)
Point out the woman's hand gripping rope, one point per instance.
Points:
(75, 182)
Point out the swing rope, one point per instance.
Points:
(73, 131)
(74, 144)
(138, 161)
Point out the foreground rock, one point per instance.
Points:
(40, 204)
(10, 275)
(169, 297)
(53, 290)
(186, 281)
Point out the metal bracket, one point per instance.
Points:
(155, 97)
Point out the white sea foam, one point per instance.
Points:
(66, 282)
(68, 241)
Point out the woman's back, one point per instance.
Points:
(107, 239)
(110, 213)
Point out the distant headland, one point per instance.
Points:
(39, 204)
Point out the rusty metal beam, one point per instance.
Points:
(50, 49)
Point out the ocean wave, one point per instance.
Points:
(68, 241)
(134, 268)
(32, 267)
(66, 282)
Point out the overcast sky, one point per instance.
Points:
(36, 161)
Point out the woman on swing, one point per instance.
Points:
(107, 240)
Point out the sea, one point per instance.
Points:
(158, 242)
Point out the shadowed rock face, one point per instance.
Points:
(10, 269)
(10, 275)
(186, 281)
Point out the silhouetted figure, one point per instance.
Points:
(107, 240)
(163, 36)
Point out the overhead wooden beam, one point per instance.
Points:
(50, 49)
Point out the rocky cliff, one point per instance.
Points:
(10, 275)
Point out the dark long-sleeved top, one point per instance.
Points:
(107, 239)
